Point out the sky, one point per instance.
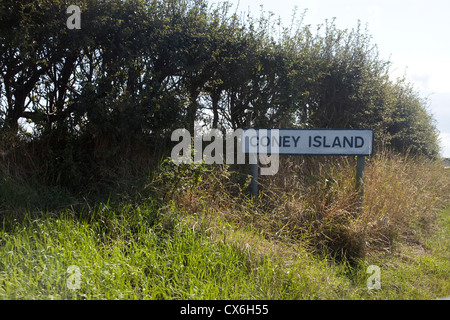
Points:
(412, 34)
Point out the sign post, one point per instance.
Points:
(359, 175)
(313, 142)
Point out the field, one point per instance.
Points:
(192, 233)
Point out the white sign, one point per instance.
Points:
(337, 142)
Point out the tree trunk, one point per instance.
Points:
(192, 111)
(215, 97)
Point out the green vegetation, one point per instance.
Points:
(87, 101)
(141, 262)
(179, 240)
(86, 118)
(123, 260)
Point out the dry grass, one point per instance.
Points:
(289, 243)
(402, 198)
(314, 200)
(310, 199)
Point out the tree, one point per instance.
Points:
(138, 69)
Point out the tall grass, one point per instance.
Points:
(138, 253)
(315, 201)
(402, 198)
(194, 233)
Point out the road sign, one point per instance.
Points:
(315, 142)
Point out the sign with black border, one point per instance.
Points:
(313, 142)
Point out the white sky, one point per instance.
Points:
(412, 34)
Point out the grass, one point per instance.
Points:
(420, 272)
(192, 234)
(139, 261)
(132, 256)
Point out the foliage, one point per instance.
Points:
(138, 69)
(154, 250)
